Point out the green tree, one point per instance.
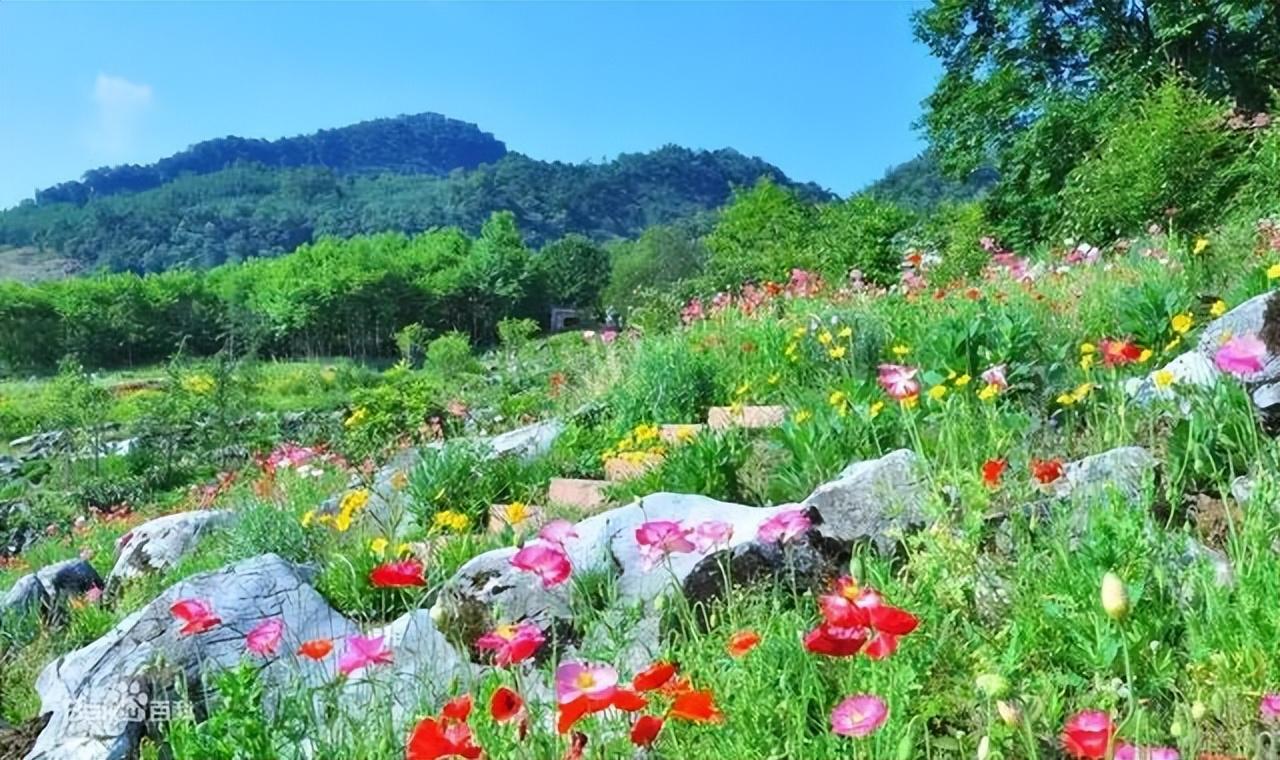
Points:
(761, 235)
(575, 271)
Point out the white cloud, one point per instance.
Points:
(120, 106)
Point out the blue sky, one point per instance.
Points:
(826, 91)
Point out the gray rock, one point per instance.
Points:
(9, 467)
(1242, 488)
(1245, 319)
(98, 696)
(528, 442)
(26, 596)
(1190, 370)
(159, 544)
(72, 577)
(877, 501)
(16, 529)
(1124, 470)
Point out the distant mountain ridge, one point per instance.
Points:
(425, 143)
(233, 198)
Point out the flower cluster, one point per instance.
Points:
(640, 446)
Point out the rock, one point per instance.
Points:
(586, 495)
(9, 467)
(1247, 318)
(26, 596)
(1124, 470)
(1242, 489)
(618, 469)
(528, 442)
(98, 697)
(751, 417)
(674, 435)
(1190, 370)
(16, 529)
(877, 501)
(160, 543)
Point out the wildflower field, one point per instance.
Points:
(1088, 567)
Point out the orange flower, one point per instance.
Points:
(654, 677)
(742, 642)
(316, 649)
(1045, 471)
(696, 707)
(991, 471)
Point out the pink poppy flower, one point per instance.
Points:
(511, 644)
(898, 381)
(1242, 355)
(1269, 707)
(361, 652)
(1088, 734)
(711, 534)
(196, 615)
(859, 715)
(557, 532)
(784, 527)
(548, 562)
(264, 639)
(659, 538)
(1132, 752)
(995, 376)
(581, 679)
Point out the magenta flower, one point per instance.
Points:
(995, 376)
(557, 532)
(659, 538)
(1269, 707)
(264, 639)
(575, 680)
(898, 381)
(361, 652)
(1242, 355)
(548, 562)
(511, 644)
(859, 715)
(784, 527)
(711, 534)
(1132, 752)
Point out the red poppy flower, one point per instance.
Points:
(401, 574)
(505, 705)
(834, 641)
(1045, 471)
(742, 642)
(622, 699)
(434, 738)
(696, 707)
(1116, 352)
(197, 616)
(992, 469)
(654, 676)
(457, 709)
(1088, 734)
(646, 730)
(677, 687)
(316, 649)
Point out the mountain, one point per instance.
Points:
(919, 184)
(230, 199)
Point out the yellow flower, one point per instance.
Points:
(1087, 348)
(686, 433)
(901, 350)
(951, 374)
(836, 352)
(1181, 323)
(1173, 344)
(774, 378)
(378, 546)
(824, 338)
(845, 332)
(1273, 271)
(839, 401)
(450, 520)
(1066, 399)
(1201, 244)
(1145, 355)
(875, 409)
(354, 501)
(742, 390)
(937, 392)
(791, 352)
(963, 380)
(911, 401)
(516, 513)
(1163, 379)
(342, 523)
(1082, 391)
(990, 391)
(1086, 362)
(308, 517)
(199, 384)
(358, 415)
(799, 332)
(403, 549)
(1219, 308)
(801, 416)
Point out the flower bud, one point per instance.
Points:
(1009, 711)
(992, 685)
(1175, 729)
(984, 747)
(1115, 600)
(1198, 710)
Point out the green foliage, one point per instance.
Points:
(575, 271)
(652, 265)
(393, 410)
(920, 185)
(666, 383)
(860, 233)
(237, 727)
(762, 235)
(955, 233)
(1167, 157)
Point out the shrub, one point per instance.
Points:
(955, 232)
(668, 383)
(859, 234)
(450, 354)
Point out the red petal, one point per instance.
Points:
(571, 713)
(645, 730)
(654, 676)
(696, 706)
(742, 642)
(505, 704)
(457, 709)
(628, 701)
(427, 742)
(883, 645)
(888, 619)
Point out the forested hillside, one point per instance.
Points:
(921, 185)
(232, 199)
